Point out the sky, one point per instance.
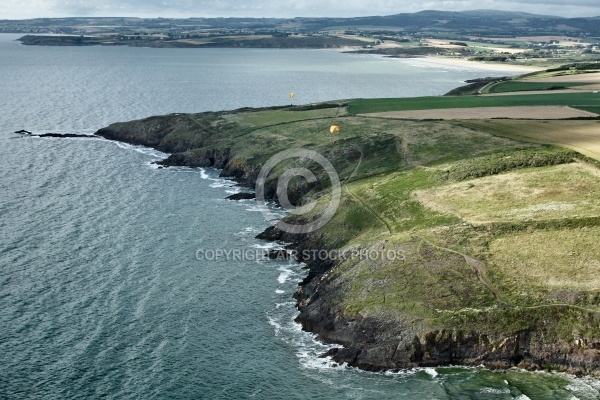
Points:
(21, 9)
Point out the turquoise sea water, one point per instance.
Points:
(101, 292)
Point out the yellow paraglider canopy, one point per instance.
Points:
(292, 95)
(334, 128)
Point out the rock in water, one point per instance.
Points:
(241, 196)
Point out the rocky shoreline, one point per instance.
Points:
(377, 343)
(54, 135)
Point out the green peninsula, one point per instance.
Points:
(490, 204)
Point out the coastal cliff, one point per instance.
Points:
(387, 341)
(447, 296)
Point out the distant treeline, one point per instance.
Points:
(577, 66)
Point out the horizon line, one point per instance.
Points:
(297, 17)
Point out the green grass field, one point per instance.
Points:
(275, 117)
(576, 100)
(592, 109)
(551, 261)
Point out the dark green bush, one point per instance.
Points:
(504, 162)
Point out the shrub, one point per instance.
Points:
(504, 162)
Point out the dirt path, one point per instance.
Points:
(562, 305)
(478, 266)
(357, 164)
(359, 200)
(480, 270)
(258, 128)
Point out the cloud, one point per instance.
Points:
(280, 8)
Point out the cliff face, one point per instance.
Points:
(216, 158)
(383, 342)
(389, 342)
(174, 133)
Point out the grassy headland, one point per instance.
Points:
(494, 224)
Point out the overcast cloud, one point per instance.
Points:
(17, 9)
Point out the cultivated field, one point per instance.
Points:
(524, 112)
(575, 100)
(581, 136)
(593, 77)
(529, 86)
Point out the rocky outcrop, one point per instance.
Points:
(55, 135)
(216, 158)
(385, 342)
(241, 196)
(242, 172)
(377, 344)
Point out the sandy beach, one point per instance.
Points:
(486, 66)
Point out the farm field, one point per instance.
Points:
(581, 136)
(528, 86)
(575, 100)
(567, 76)
(523, 112)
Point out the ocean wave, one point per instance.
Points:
(307, 348)
(249, 231)
(203, 174)
(267, 245)
(259, 208)
(285, 274)
(230, 185)
(140, 149)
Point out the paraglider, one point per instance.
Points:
(334, 128)
(292, 95)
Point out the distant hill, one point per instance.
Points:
(510, 14)
(478, 22)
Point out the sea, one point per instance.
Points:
(111, 281)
